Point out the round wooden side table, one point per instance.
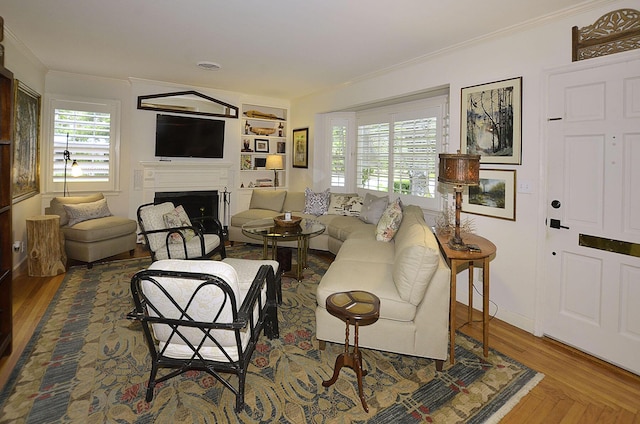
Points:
(46, 256)
(354, 308)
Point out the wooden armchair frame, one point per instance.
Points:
(197, 226)
(150, 313)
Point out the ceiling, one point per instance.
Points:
(276, 48)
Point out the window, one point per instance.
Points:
(88, 129)
(397, 149)
(338, 154)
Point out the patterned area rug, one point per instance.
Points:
(87, 363)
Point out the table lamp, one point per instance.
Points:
(460, 170)
(274, 162)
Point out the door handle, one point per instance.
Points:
(555, 223)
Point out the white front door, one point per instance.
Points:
(592, 296)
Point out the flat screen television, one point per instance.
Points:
(181, 136)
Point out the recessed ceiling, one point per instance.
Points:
(276, 48)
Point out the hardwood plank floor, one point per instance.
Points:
(577, 388)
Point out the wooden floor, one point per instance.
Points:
(577, 388)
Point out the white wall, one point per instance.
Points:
(31, 72)
(527, 51)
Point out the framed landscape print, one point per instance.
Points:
(491, 121)
(262, 145)
(26, 144)
(495, 195)
(301, 148)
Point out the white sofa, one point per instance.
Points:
(408, 274)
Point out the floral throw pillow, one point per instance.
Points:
(345, 204)
(316, 203)
(178, 218)
(389, 221)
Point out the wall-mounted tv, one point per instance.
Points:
(180, 136)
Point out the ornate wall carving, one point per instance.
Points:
(615, 32)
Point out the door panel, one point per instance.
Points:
(592, 295)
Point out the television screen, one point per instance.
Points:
(180, 136)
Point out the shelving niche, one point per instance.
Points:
(263, 132)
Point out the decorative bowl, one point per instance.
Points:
(281, 222)
(262, 130)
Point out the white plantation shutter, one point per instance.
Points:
(338, 154)
(415, 156)
(88, 134)
(372, 171)
(90, 128)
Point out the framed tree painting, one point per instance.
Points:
(491, 121)
(26, 143)
(495, 196)
(301, 148)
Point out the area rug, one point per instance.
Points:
(87, 363)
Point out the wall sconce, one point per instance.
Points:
(275, 162)
(76, 171)
(460, 170)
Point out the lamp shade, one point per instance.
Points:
(459, 169)
(274, 162)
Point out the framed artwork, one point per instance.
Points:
(260, 163)
(281, 147)
(491, 121)
(301, 148)
(495, 196)
(262, 145)
(26, 143)
(245, 162)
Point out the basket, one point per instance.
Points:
(280, 221)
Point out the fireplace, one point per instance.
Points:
(195, 203)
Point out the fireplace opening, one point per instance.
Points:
(195, 203)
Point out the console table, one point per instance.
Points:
(455, 258)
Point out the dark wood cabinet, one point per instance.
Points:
(6, 255)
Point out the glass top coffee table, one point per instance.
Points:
(266, 230)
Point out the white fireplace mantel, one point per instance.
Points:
(182, 176)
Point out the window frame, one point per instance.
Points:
(110, 106)
(435, 105)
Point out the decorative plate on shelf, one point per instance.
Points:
(281, 222)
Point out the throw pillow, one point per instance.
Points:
(81, 212)
(316, 203)
(175, 219)
(345, 204)
(389, 221)
(372, 208)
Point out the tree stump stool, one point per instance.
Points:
(355, 308)
(46, 256)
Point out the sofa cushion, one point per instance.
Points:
(376, 251)
(85, 211)
(100, 229)
(268, 199)
(241, 218)
(345, 275)
(316, 203)
(389, 221)
(342, 227)
(294, 201)
(56, 207)
(372, 208)
(415, 260)
(347, 204)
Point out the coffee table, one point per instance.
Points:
(266, 230)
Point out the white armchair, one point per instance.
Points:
(171, 234)
(201, 315)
